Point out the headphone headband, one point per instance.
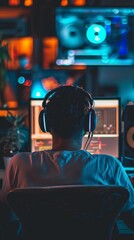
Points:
(90, 118)
(47, 97)
(58, 89)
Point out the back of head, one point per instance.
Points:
(66, 109)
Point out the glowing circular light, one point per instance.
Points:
(127, 10)
(100, 18)
(96, 34)
(124, 21)
(21, 80)
(28, 83)
(71, 36)
(108, 23)
(97, 29)
(97, 38)
(38, 94)
(115, 11)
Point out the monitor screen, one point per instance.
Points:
(106, 135)
(95, 36)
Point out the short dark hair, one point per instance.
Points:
(66, 110)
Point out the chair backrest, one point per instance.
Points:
(68, 212)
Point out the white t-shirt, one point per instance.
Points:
(48, 168)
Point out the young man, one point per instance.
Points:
(67, 114)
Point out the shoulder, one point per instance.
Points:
(29, 158)
(108, 159)
(20, 156)
(25, 155)
(24, 158)
(101, 159)
(106, 163)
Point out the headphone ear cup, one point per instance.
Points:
(40, 120)
(90, 121)
(43, 121)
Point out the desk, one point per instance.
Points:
(124, 231)
(130, 170)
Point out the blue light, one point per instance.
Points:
(123, 44)
(96, 34)
(124, 21)
(115, 11)
(21, 80)
(67, 19)
(127, 10)
(37, 90)
(38, 94)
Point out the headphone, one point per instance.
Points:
(90, 121)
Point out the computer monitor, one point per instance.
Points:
(106, 136)
(95, 36)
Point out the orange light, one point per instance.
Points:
(64, 3)
(12, 104)
(14, 2)
(10, 97)
(50, 46)
(50, 83)
(79, 2)
(28, 3)
(17, 47)
(4, 113)
(28, 83)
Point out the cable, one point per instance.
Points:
(89, 138)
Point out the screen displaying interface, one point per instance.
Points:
(106, 135)
(95, 36)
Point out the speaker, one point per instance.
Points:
(128, 138)
(90, 119)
